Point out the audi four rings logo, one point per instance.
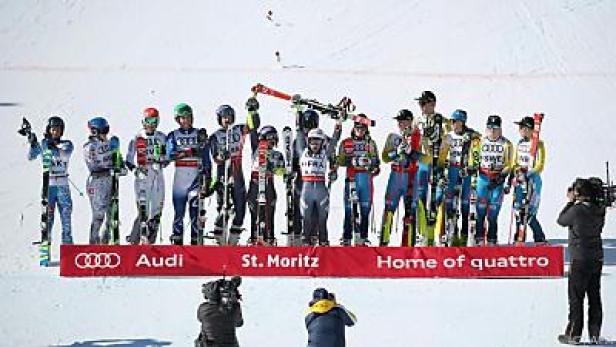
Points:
(97, 260)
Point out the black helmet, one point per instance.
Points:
(494, 121)
(268, 132)
(404, 114)
(55, 122)
(426, 97)
(225, 111)
(527, 122)
(309, 119)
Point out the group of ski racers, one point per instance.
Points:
(451, 178)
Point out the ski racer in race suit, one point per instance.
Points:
(148, 173)
(394, 152)
(521, 169)
(192, 159)
(315, 164)
(98, 151)
(429, 135)
(306, 121)
(495, 166)
(450, 158)
(227, 144)
(59, 152)
(359, 155)
(275, 165)
(326, 320)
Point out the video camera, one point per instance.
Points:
(223, 292)
(597, 192)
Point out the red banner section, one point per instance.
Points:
(82, 261)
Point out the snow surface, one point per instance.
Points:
(80, 59)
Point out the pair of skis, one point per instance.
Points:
(263, 230)
(341, 111)
(427, 219)
(413, 141)
(475, 157)
(113, 215)
(287, 136)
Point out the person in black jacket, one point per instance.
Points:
(584, 215)
(220, 314)
(326, 320)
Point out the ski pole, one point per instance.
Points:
(75, 186)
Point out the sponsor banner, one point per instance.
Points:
(459, 262)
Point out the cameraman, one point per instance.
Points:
(584, 214)
(220, 314)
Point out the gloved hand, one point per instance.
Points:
(507, 189)
(223, 155)
(140, 171)
(51, 144)
(207, 189)
(520, 176)
(463, 173)
(375, 171)
(361, 162)
(433, 134)
(496, 181)
(332, 176)
(62, 145)
(403, 149)
(252, 104)
(414, 156)
(218, 187)
(185, 153)
(130, 166)
(290, 175)
(442, 182)
(32, 139)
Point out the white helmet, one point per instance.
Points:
(316, 133)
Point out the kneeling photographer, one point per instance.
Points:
(220, 314)
(584, 215)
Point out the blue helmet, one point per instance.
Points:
(98, 125)
(225, 111)
(459, 115)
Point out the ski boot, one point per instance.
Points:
(568, 340)
(492, 243)
(291, 240)
(362, 242)
(542, 243)
(177, 239)
(269, 242)
(310, 241)
(217, 236)
(323, 243)
(234, 238)
(345, 242)
(194, 241)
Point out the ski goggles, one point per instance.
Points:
(360, 127)
(314, 140)
(151, 121)
(183, 114)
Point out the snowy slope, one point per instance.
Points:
(79, 59)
